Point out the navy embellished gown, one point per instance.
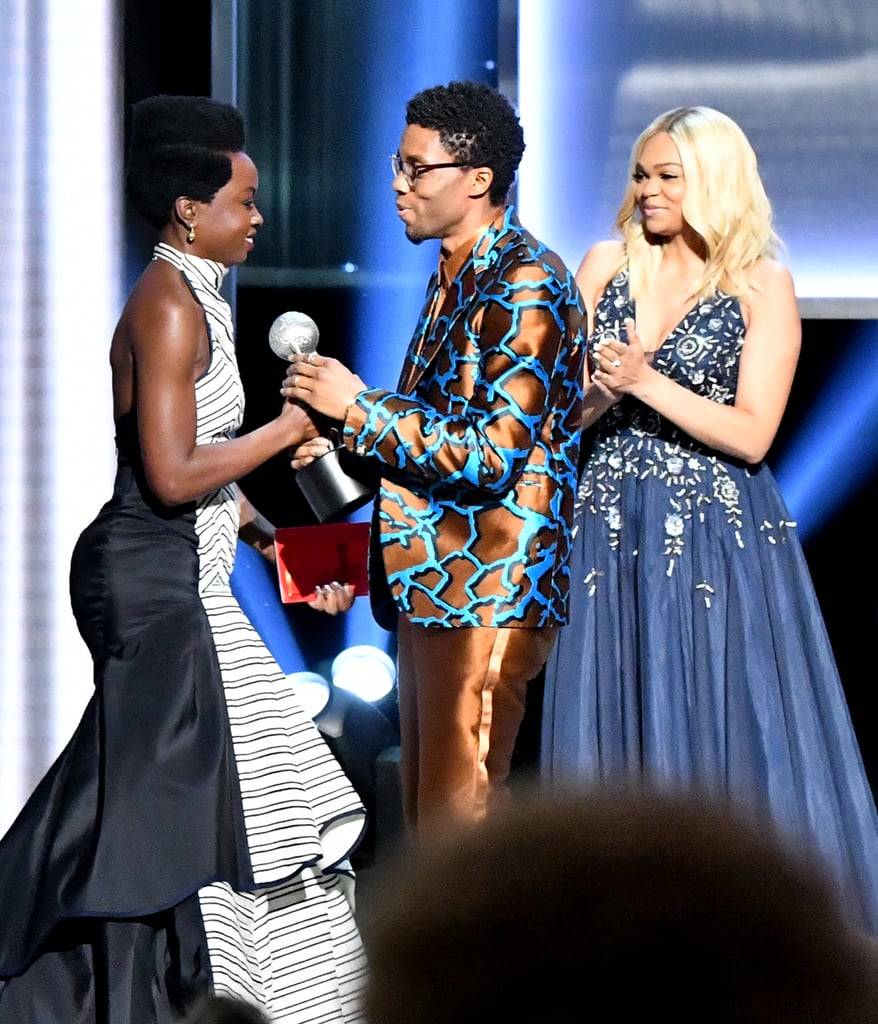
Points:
(696, 655)
(193, 835)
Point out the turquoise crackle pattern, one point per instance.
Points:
(479, 455)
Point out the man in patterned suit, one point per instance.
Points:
(477, 453)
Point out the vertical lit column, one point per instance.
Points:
(564, 49)
(13, 358)
(83, 273)
(59, 293)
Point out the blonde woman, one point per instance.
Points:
(697, 657)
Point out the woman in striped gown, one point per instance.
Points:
(193, 836)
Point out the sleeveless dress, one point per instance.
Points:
(696, 655)
(194, 833)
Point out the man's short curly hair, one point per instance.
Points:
(179, 146)
(476, 124)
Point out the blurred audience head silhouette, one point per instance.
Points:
(613, 907)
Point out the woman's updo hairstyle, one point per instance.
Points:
(179, 146)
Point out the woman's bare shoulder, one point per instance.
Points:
(598, 266)
(769, 276)
(160, 299)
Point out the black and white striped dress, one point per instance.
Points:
(211, 823)
(280, 946)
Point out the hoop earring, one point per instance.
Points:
(190, 238)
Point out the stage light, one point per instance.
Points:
(312, 691)
(833, 453)
(365, 742)
(366, 671)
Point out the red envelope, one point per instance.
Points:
(312, 556)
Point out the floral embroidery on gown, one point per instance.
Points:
(696, 654)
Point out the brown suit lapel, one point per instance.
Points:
(437, 324)
(436, 328)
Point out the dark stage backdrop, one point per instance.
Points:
(365, 318)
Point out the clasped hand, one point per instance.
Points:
(308, 451)
(619, 367)
(324, 384)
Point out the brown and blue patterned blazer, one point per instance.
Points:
(478, 447)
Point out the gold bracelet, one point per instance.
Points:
(347, 409)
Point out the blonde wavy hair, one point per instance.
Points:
(724, 203)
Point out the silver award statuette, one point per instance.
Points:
(331, 483)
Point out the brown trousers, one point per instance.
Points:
(461, 702)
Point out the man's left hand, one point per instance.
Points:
(325, 385)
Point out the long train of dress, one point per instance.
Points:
(194, 832)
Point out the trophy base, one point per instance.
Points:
(329, 489)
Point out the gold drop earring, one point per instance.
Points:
(190, 238)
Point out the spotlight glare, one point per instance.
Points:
(366, 671)
(312, 691)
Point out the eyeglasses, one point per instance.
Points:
(411, 172)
